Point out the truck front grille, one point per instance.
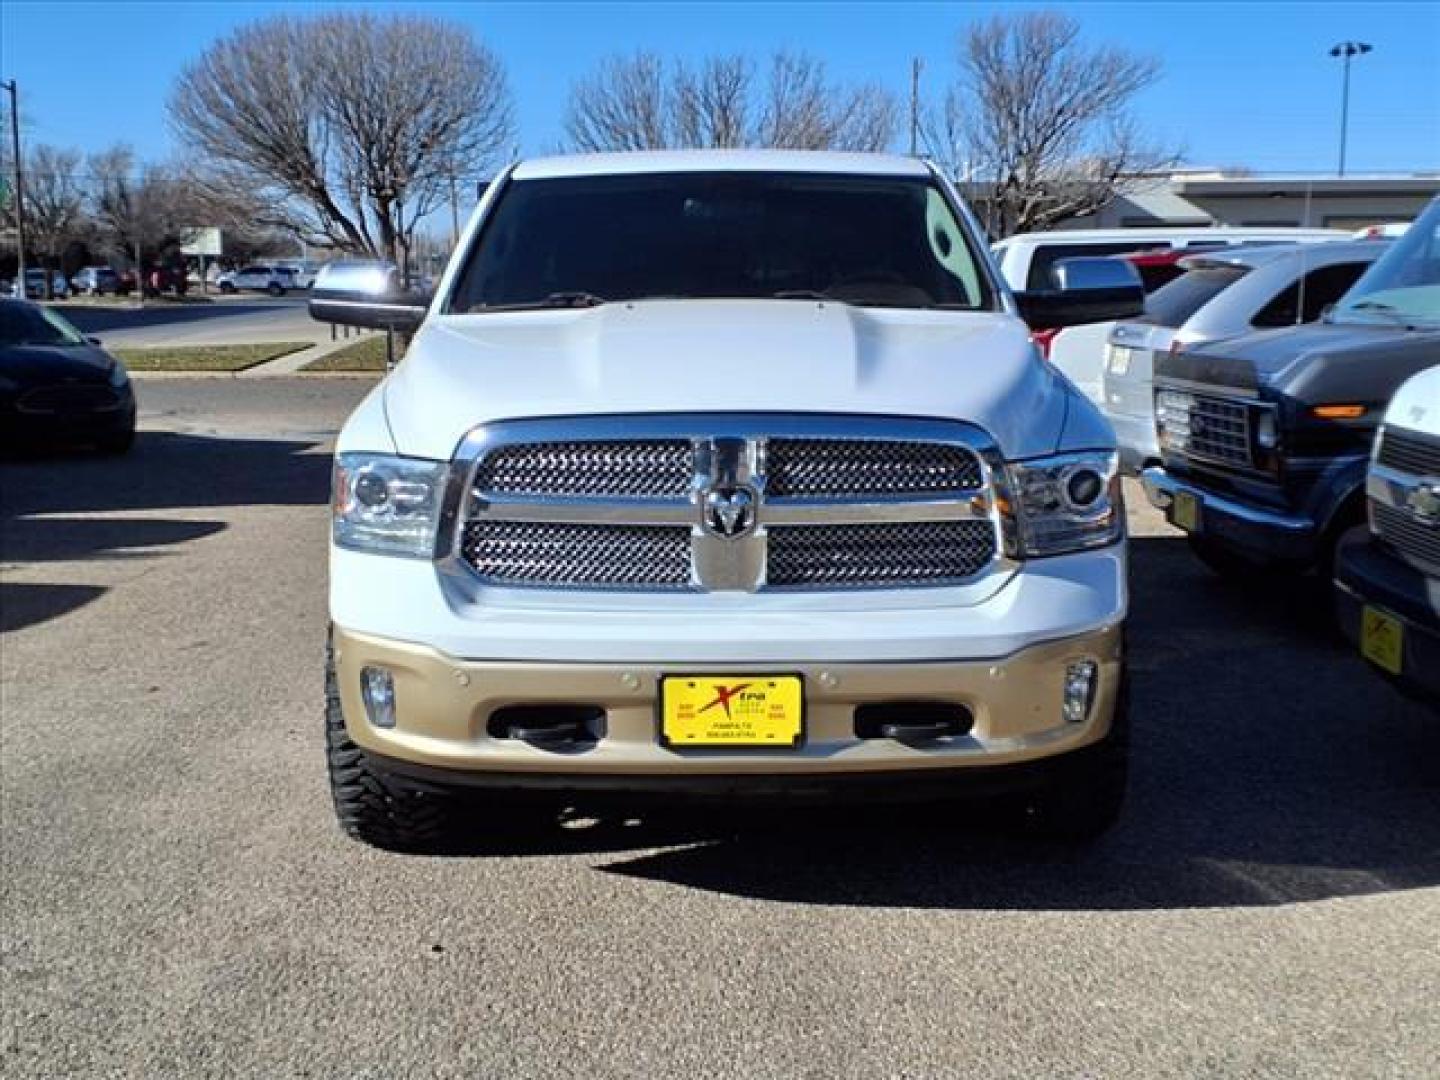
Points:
(578, 556)
(866, 556)
(1413, 540)
(654, 468)
(1209, 429)
(850, 468)
(711, 503)
(1409, 452)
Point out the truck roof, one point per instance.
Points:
(682, 161)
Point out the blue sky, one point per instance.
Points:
(1244, 83)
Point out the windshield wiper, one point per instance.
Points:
(1379, 307)
(803, 294)
(554, 300)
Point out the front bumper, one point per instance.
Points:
(1366, 575)
(443, 706)
(1262, 534)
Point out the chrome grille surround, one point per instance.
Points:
(514, 518)
(1403, 487)
(1414, 541)
(1409, 452)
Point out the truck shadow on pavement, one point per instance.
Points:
(1270, 766)
(73, 506)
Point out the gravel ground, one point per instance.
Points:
(178, 902)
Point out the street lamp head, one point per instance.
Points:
(1348, 49)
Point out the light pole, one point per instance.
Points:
(19, 189)
(1345, 50)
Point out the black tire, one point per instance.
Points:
(1086, 792)
(275, 289)
(380, 810)
(227, 288)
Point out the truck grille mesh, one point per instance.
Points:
(1412, 540)
(918, 553)
(579, 556)
(851, 468)
(1220, 431)
(1410, 453)
(630, 513)
(658, 468)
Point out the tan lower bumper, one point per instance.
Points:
(443, 705)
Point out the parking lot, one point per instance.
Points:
(179, 902)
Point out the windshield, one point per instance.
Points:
(867, 240)
(26, 324)
(1171, 305)
(1403, 285)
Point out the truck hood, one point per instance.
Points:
(1290, 361)
(667, 356)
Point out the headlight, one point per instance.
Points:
(1067, 503)
(389, 505)
(118, 375)
(1119, 359)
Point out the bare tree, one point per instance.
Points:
(352, 126)
(137, 209)
(638, 102)
(54, 205)
(1044, 120)
(710, 104)
(623, 106)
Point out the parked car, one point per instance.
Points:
(1028, 262)
(1221, 294)
(1387, 577)
(275, 280)
(96, 281)
(726, 472)
(1265, 438)
(35, 285)
(58, 386)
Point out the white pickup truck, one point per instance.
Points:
(730, 474)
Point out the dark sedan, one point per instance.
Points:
(58, 386)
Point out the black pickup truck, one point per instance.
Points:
(1265, 438)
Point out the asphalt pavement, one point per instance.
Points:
(234, 320)
(177, 900)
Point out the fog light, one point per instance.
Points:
(377, 688)
(1079, 690)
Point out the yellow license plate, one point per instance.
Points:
(732, 711)
(1185, 512)
(1382, 639)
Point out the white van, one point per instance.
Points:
(1026, 262)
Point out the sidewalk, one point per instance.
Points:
(292, 363)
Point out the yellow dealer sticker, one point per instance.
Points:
(730, 711)
(1382, 639)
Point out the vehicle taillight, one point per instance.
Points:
(1043, 339)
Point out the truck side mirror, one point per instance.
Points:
(368, 294)
(1084, 289)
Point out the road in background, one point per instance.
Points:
(230, 321)
(179, 902)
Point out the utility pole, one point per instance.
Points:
(915, 66)
(20, 290)
(1345, 51)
